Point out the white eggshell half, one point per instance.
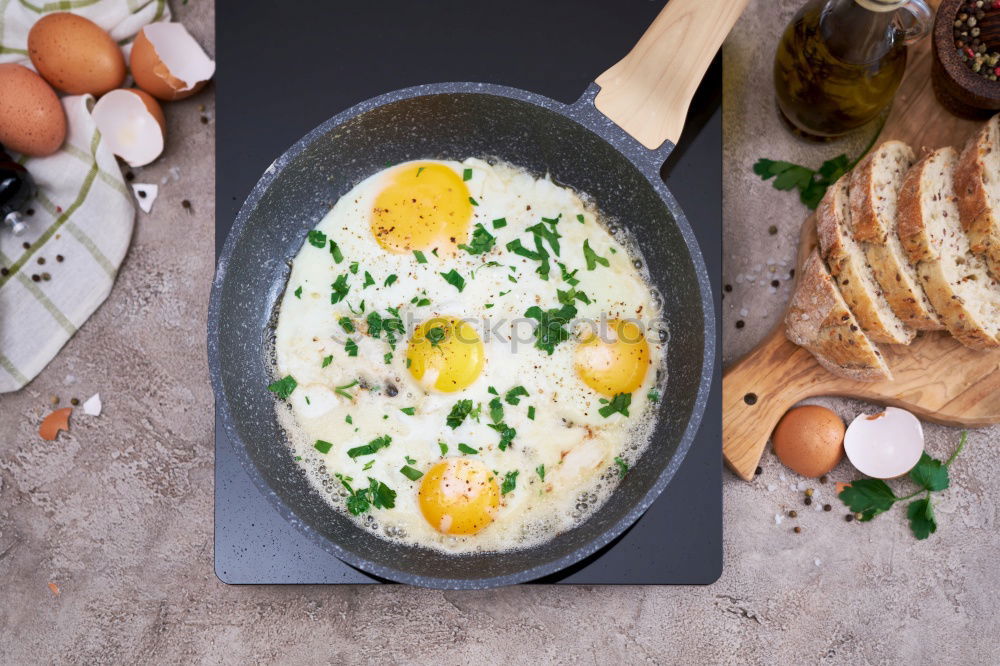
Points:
(884, 445)
(180, 53)
(132, 132)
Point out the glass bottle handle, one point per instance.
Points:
(916, 27)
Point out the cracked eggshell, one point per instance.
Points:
(885, 445)
(132, 123)
(168, 63)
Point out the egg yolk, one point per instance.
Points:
(614, 361)
(459, 496)
(445, 354)
(425, 206)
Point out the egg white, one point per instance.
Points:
(576, 445)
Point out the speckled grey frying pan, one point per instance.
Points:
(582, 145)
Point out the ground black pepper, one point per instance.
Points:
(35, 278)
(41, 260)
(827, 507)
(59, 258)
(808, 501)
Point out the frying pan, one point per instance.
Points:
(610, 144)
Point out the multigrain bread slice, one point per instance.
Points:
(850, 268)
(819, 320)
(977, 184)
(966, 298)
(875, 184)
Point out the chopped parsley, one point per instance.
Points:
(390, 280)
(420, 301)
(420, 170)
(353, 268)
(411, 473)
(466, 174)
(435, 335)
(473, 201)
(569, 277)
(316, 238)
(346, 324)
(387, 357)
(465, 448)
(342, 390)
(409, 460)
(377, 494)
(459, 412)
(352, 347)
(539, 254)
(338, 256)
(543, 232)
(482, 241)
(340, 289)
(540, 471)
(622, 466)
(327, 360)
(619, 404)
(509, 482)
(369, 280)
(409, 411)
(579, 218)
(298, 292)
(369, 465)
(420, 256)
(653, 395)
(500, 223)
(322, 446)
(443, 447)
(513, 396)
(348, 419)
(574, 294)
(551, 325)
(454, 279)
(371, 447)
(531, 412)
(592, 258)
(283, 387)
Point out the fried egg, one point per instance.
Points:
(466, 357)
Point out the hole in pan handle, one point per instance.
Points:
(647, 93)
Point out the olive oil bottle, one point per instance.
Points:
(839, 62)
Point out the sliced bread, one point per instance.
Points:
(966, 298)
(977, 184)
(850, 268)
(819, 319)
(875, 183)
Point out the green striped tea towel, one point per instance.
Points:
(61, 269)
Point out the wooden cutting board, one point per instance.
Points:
(936, 378)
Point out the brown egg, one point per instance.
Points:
(168, 63)
(32, 120)
(809, 440)
(75, 54)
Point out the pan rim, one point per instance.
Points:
(583, 113)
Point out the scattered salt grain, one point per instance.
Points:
(744, 312)
(70, 380)
(817, 561)
(781, 476)
(93, 405)
(771, 487)
(778, 518)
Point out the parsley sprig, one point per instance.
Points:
(551, 329)
(870, 497)
(377, 494)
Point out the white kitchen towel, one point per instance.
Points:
(62, 268)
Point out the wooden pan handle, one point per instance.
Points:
(647, 93)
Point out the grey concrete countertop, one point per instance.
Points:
(117, 513)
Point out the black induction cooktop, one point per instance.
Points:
(284, 68)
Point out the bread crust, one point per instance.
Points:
(819, 320)
(892, 272)
(857, 285)
(980, 219)
(913, 220)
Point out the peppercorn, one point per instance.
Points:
(74, 401)
(4, 271)
(849, 517)
(758, 471)
(728, 288)
(740, 323)
(186, 204)
(797, 529)
(808, 501)
(775, 284)
(827, 507)
(823, 479)
(59, 258)
(35, 277)
(793, 514)
(46, 277)
(26, 245)
(773, 230)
